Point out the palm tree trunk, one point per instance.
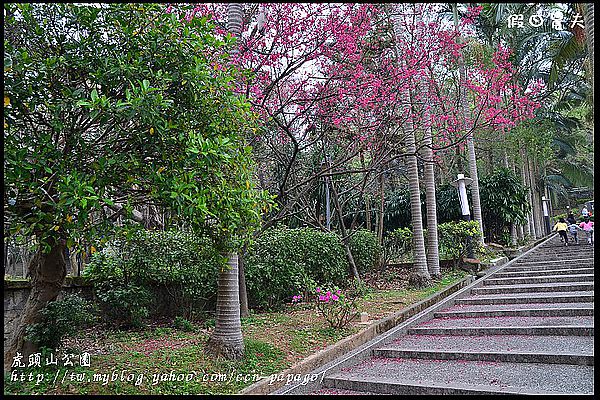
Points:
(433, 260)
(470, 143)
(381, 209)
(420, 276)
(534, 199)
(588, 17)
(226, 340)
(244, 311)
(529, 227)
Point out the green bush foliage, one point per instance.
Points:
(398, 245)
(283, 262)
(59, 319)
(453, 239)
(155, 273)
(365, 249)
(504, 202)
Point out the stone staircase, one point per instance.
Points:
(526, 328)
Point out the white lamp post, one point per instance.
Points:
(461, 184)
(546, 216)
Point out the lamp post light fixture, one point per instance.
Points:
(545, 202)
(461, 184)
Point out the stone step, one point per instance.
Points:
(525, 288)
(521, 344)
(417, 376)
(522, 306)
(563, 330)
(539, 279)
(518, 312)
(333, 391)
(565, 271)
(545, 267)
(507, 321)
(470, 355)
(523, 298)
(557, 260)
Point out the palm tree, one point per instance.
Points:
(226, 339)
(433, 260)
(420, 276)
(470, 143)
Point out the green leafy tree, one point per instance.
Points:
(110, 107)
(505, 200)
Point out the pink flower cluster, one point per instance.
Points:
(328, 296)
(327, 64)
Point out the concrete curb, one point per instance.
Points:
(267, 385)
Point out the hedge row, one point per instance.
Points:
(175, 272)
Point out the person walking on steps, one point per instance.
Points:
(561, 228)
(584, 212)
(571, 218)
(588, 227)
(573, 227)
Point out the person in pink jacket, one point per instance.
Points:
(588, 228)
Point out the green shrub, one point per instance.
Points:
(183, 324)
(124, 305)
(453, 239)
(365, 249)
(504, 202)
(398, 245)
(155, 273)
(283, 262)
(59, 319)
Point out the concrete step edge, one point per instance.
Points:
(541, 279)
(539, 312)
(548, 272)
(523, 300)
(504, 356)
(542, 268)
(517, 288)
(383, 386)
(563, 330)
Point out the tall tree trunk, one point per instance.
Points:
(513, 227)
(47, 272)
(420, 276)
(366, 198)
(470, 143)
(226, 340)
(381, 209)
(244, 311)
(529, 229)
(519, 226)
(433, 258)
(534, 199)
(588, 17)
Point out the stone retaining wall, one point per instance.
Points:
(16, 293)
